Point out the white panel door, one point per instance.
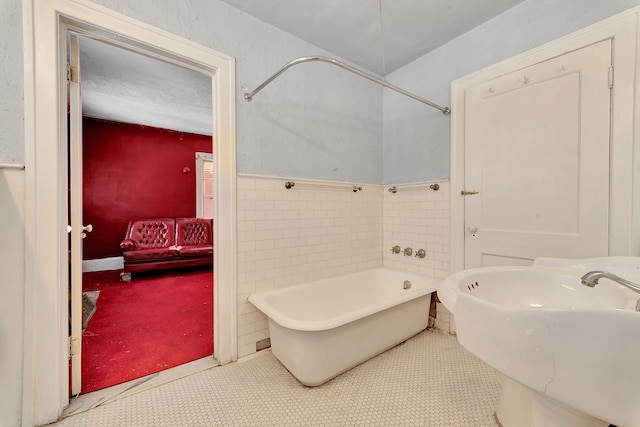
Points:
(537, 154)
(75, 203)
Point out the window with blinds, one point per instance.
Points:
(204, 185)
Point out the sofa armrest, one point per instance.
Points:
(128, 245)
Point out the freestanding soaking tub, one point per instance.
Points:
(321, 329)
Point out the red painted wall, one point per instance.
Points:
(134, 171)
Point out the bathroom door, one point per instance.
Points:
(537, 161)
(78, 230)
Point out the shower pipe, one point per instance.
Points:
(249, 95)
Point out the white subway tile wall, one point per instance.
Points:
(418, 218)
(288, 237)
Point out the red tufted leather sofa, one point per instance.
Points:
(165, 243)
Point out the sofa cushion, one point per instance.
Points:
(195, 250)
(152, 233)
(194, 231)
(151, 253)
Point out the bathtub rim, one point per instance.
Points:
(258, 300)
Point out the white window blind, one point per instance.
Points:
(204, 185)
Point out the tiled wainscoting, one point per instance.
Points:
(321, 229)
(288, 237)
(417, 217)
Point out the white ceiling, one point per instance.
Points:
(127, 87)
(123, 86)
(355, 31)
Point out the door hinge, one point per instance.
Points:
(74, 346)
(611, 77)
(72, 74)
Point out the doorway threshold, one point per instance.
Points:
(84, 402)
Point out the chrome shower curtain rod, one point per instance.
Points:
(249, 95)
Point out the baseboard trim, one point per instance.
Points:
(113, 263)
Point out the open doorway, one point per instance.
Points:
(46, 345)
(140, 196)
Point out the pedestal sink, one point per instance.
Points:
(571, 353)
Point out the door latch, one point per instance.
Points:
(468, 193)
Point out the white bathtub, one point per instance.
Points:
(321, 329)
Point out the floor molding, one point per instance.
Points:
(102, 264)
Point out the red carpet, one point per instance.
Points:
(154, 323)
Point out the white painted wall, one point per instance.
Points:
(416, 145)
(11, 88)
(315, 121)
(11, 213)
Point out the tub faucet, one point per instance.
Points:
(591, 279)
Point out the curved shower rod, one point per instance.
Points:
(249, 95)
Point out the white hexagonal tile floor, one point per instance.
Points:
(430, 380)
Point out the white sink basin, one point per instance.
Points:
(569, 344)
(531, 287)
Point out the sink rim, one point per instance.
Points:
(455, 286)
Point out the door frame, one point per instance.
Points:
(45, 24)
(624, 208)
